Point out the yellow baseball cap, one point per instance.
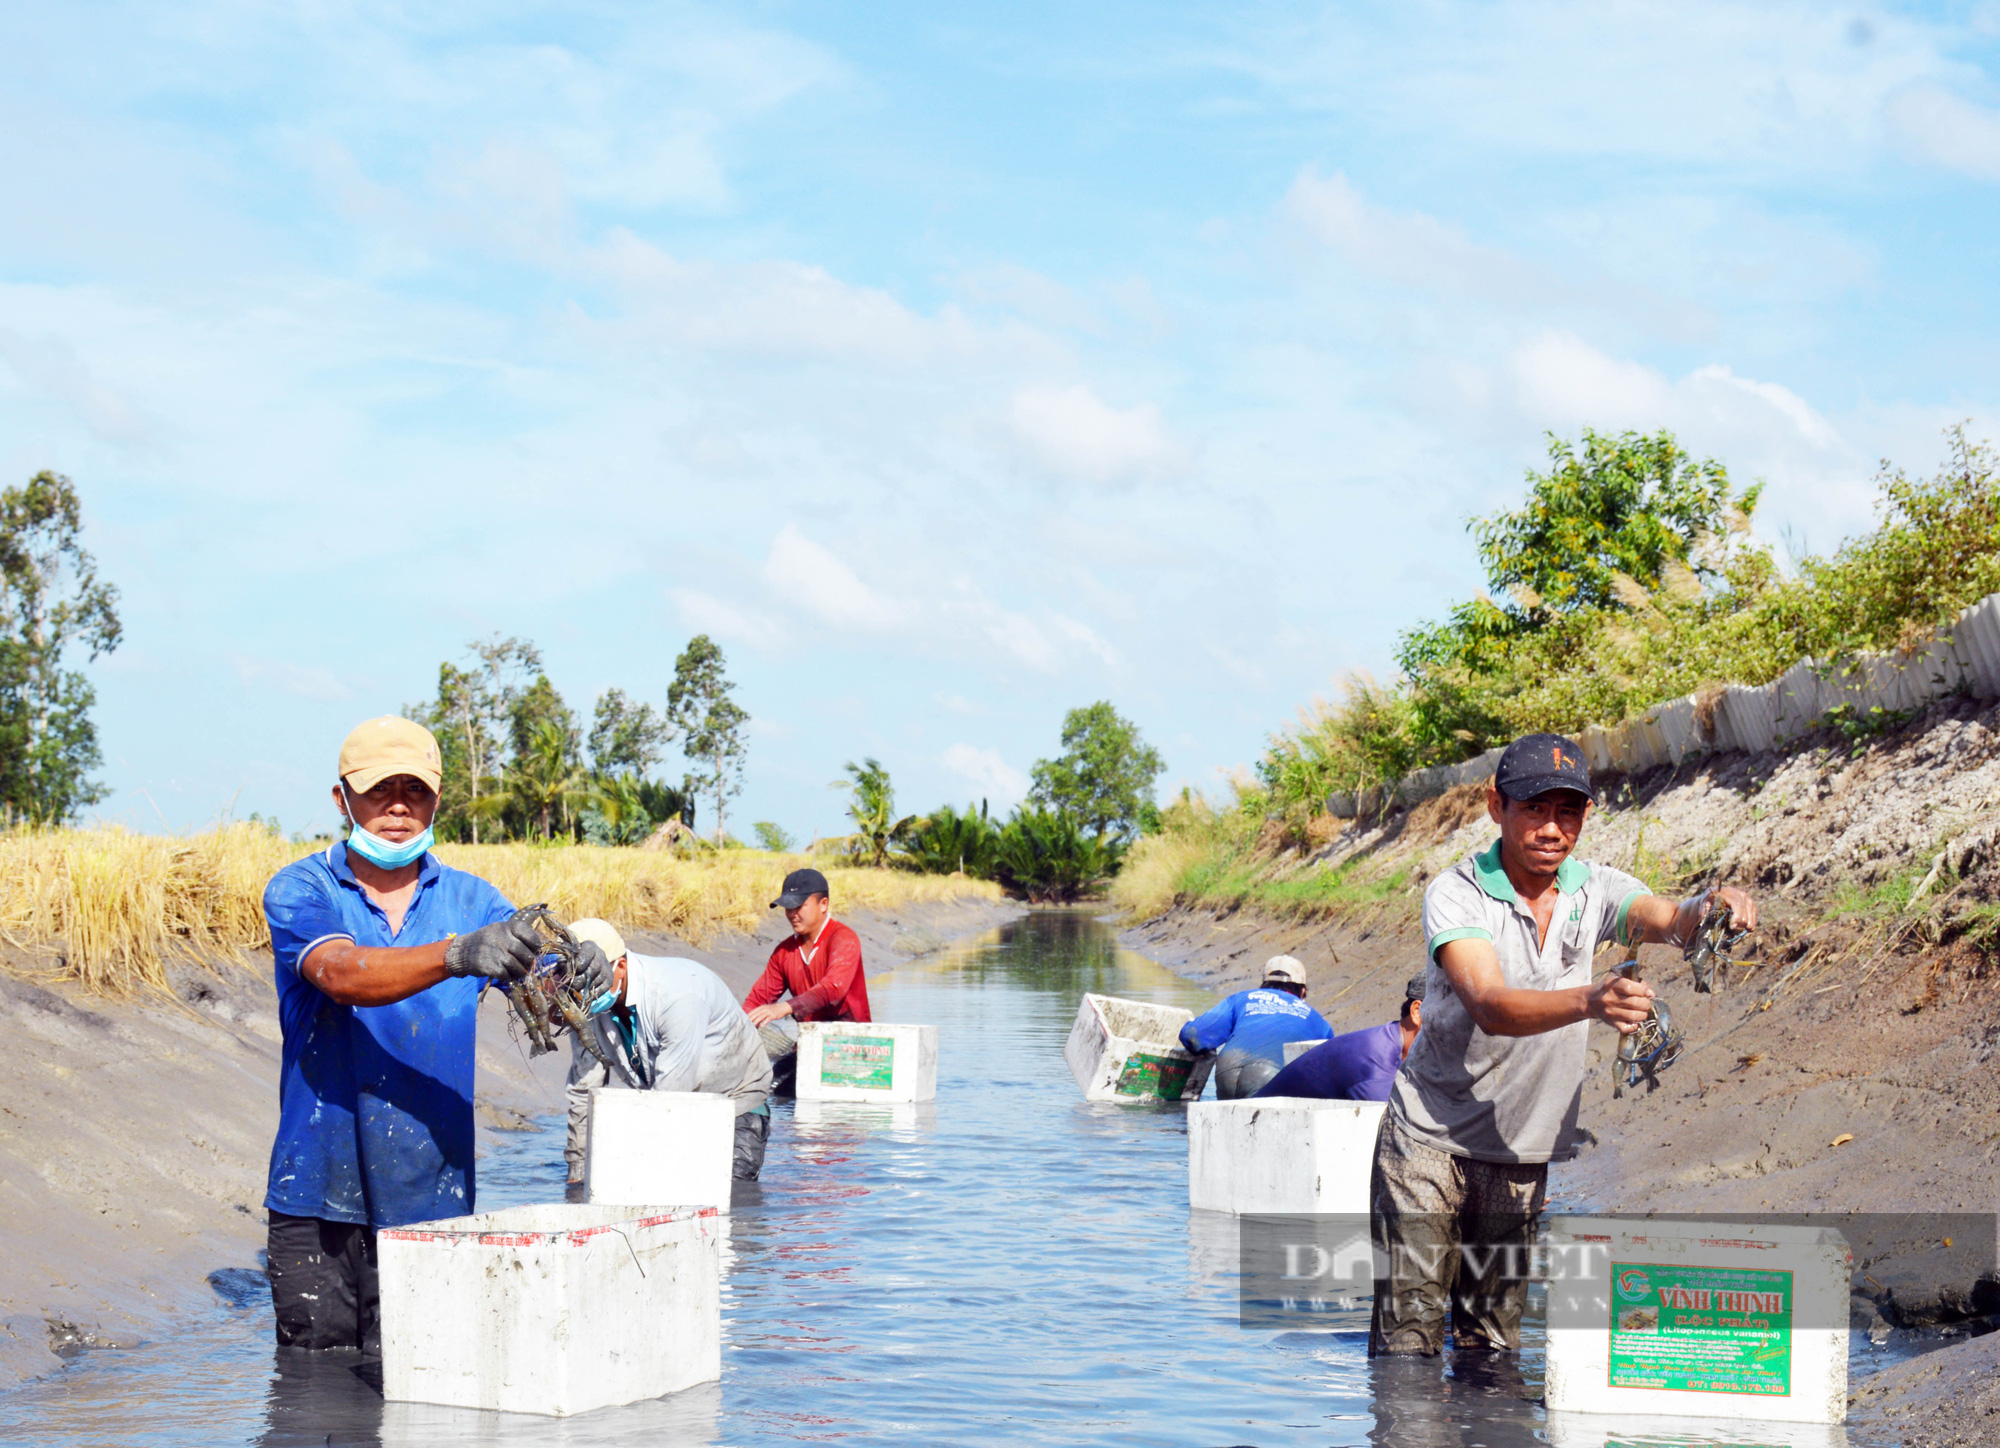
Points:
(601, 934)
(390, 745)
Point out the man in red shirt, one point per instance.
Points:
(819, 964)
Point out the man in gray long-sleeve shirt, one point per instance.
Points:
(676, 1027)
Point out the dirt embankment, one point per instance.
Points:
(1867, 1013)
(135, 1135)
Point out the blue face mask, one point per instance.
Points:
(378, 851)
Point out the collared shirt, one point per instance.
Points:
(1255, 1023)
(824, 977)
(686, 1033)
(1507, 1098)
(1359, 1066)
(374, 1102)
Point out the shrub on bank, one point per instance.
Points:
(1715, 608)
(1630, 576)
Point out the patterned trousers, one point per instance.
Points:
(1456, 1235)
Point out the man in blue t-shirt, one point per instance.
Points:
(1248, 1031)
(381, 954)
(1359, 1066)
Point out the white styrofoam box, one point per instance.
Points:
(1296, 1049)
(1122, 1050)
(553, 1309)
(1652, 1430)
(867, 1061)
(1281, 1155)
(1697, 1319)
(660, 1148)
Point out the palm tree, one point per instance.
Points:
(873, 810)
(546, 777)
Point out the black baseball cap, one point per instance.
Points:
(800, 886)
(1537, 763)
(1413, 989)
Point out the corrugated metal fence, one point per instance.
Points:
(1965, 657)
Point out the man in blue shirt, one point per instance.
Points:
(381, 954)
(1248, 1031)
(1359, 1066)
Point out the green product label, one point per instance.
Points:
(865, 1061)
(1701, 1329)
(1161, 1076)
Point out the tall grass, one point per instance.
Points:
(113, 908)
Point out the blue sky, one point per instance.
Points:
(952, 366)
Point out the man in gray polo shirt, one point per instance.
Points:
(1489, 1094)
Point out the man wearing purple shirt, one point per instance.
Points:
(1359, 1066)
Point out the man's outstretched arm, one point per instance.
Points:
(1503, 1010)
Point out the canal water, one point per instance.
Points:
(1009, 1265)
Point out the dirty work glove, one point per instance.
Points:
(502, 951)
(595, 980)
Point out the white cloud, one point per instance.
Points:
(990, 776)
(705, 613)
(1948, 130)
(1075, 432)
(811, 579)
(1408, 246)
(957, 704)
(50, 368)
(1759, 429)
(1564, 381)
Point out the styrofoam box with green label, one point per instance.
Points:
(867, 1061)
(1122, 1050)
(554, 1309)
(1697, 1319)
(1281, 1155)
(655, 1148)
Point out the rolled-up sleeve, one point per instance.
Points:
(302, 913)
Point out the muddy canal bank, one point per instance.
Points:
(135, 1135)
(1868, 1017)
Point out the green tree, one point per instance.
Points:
(627, 737)
(51, 603)
(945, 842)
(1046, 855)
(1612, 522)
(546, 780)
(616, 812)
(872, 807)
(469, 715)
(1630, 504)
(771, 837)
(1105, 774)
(711, 724)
